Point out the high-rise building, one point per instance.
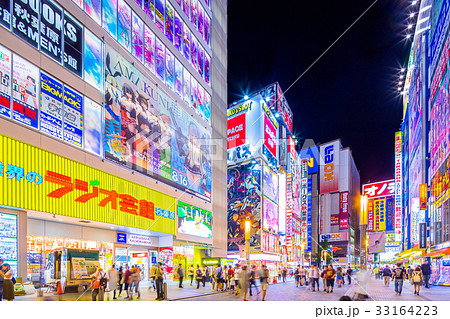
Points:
(110, 113)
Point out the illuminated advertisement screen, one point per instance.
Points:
(270, 215)
(93, 55)
(5, 13)
(186, 42)
(390, 210)
(149, 49)
(51, 30)
(194, 221)
(8, 241)
(178, 32)
(201, 19)
(186, 7)
(178, 80)
(170, 70)
(186, 86)
(25, 18)
(169, 22)
(124, 25)
(194, 12)
(137, 47)
(194, 97)
(5, 78)
(311, 155)
(201, 101)
(201, 60)
(270, 184)
(73, 117)
(73, 45)
(93, 127)
(160, 56)
(208, 107)
(194, 52)
(244, 186)
(270, 135)
(207, 68)
(149, 8)
(159, 14)
(109, 17)
(94, 9)
(51, 106)
(329, 167)
(25, 89)
(207, 33)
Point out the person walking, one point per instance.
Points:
(264, 280)
(198, 276)
(219, 278)
(204, 275)
(180, 273)
(417, 279)
(213, 278)
(426, 272)
(339, 277)
(330, 276)
(159, 273)
(409, 272)
(225, 278)
(252, 280)
(6, 274)
(230, 275)
(349, 275)
(153, 277)
(324, 277)
(297, 275)
(237, 270)
(207, 273)
(99, 284)
(399, 276)
(284, 274)
(120, 282)
(376, 271)
(191, 273)
(387, 274)
(113, 283)
(135, 280)
(244, 281)
(314, 274)
(127, 281)
(303, 279)
(1, 281)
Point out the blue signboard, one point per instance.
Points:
(308, 249)
(390, 215)
(122, 238)
(439, 33)
(73, 117)
(311, 154)
(51, 106)
(153, 260)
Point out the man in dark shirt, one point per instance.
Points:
(387, 275)
(399, 275)
(426, 272)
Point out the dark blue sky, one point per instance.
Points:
(351, 93)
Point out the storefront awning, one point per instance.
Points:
(438, 253)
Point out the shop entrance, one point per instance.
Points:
(143, 258)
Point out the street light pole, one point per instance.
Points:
(247, 241)
(363, 231)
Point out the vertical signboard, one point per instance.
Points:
(329, 167)
(390, 213)
(5, 80)
(51, 30)
(25, 21)
(370, 215)
(423, 196)
(343, 211)
(5, 13)
(73, 45)
(398, 187)
(73, 117)
(422, 235)
(51, 106)
(304, 203)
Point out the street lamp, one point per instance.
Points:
(247, 240)
(302, 246)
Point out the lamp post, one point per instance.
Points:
(363, 234)
(247, 240)
(302, 246)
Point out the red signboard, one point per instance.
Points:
(139, 255)
(270, 135)
(236, 131)
(379, 189)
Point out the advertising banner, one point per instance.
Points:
(109, 17)
(244, 186)
(5, 13)
(423, 191)
(422, 235)
(194, 221)
(137, 38)
(304, 202)
(343, 211)
(73, 45)
(124, 24)
(51, 106)
(52, 184)
(270, 215)
(93, 60)
(377, 242)
(270, 184)
(334, 220)
(149, 8)
(398, 200)
(73, 117)
(93, 127)
(169, 22)
(311, 155)
(329, 167)
(379, 213)
(390, 213)
(160, 57)
(51, 29)
(370, 221)
(178, 32)
(25, 21)
(186, 42)
(25, 89)
(149, 49)
(332, 237)
(178, 78)
(5, 79)
(159, 14)
(170, 70)
(379, 189)
(94, 9)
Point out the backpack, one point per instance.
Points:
(103, 281)
(416, 277)
(296, 272)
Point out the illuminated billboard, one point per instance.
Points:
(379, 189)
(270, 184)
(311, 155)
(270, 215)
(398, 199)
(194, 221)
(329, 167)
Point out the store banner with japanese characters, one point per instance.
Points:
(379, 189)
(53, 184)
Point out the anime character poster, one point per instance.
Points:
(5, 82)
(191, 160)
(178, 32)
(169, 22)
(94, 9)
(139, 2)
(178, 78)
(128, 110)
(149, 49)
(51, 106)
(124, 25)
(207, 107)
(187, 8)
(109, 17)
(270, 215)
(186, 86)
(194, 221)
(244, 202)
(166, 259)
(194, 12)
(201, 101)
(159, 14)
(186, 42)
(194, 98)
(73, 117)
(149, 8)
(137, 47)
(207, 31)
(148, 130)
(93, 56)
(270, 184)
(160, 58)
(207, 72)
(170, 70)
(194, 53)
(25, 89)
(201, 14)
(92, 127)
(201, 57)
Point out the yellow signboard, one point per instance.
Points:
(34, 179)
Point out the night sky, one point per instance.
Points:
(351, 93)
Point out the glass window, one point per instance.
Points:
(138, 38)
(124, 25)
(93, 8)
(109, 17)
(93, 64)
